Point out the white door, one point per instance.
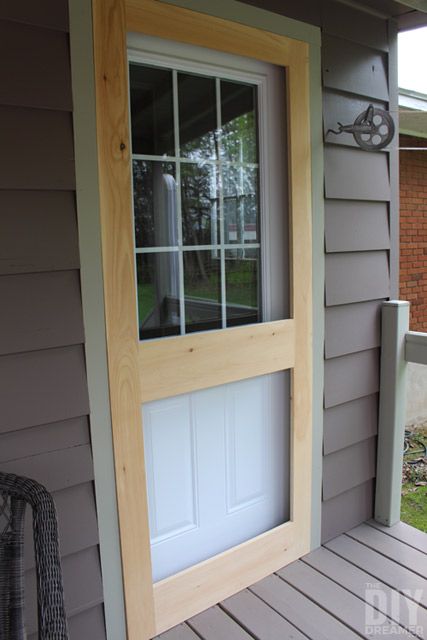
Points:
(211, 253)
(216, 465)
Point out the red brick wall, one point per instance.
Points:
(413, 230)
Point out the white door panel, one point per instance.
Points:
(216, 463)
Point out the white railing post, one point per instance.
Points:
(391, 427)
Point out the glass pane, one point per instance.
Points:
(242, 286)
(158, 294)
(202, 286)
(154, 198)
(199, 203)
(151, 106)
(241, 221)
(197, 116)
(239, 122)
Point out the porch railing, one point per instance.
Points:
(398, 347)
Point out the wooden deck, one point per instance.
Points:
(370, 582)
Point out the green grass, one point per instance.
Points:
(146, 300)
(414, 506)
(241, 286)
(414, 498)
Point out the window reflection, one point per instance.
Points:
(197, 218)
(158, 294)
(151, 106)
(197, 116)
(199, 201)
(154, 193)
(240, 187)
(242, 286)
(202, 287)
(238, 117)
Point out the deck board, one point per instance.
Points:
(215, 624)
(397, 551)
(259, 619)
(181, 632)
(304, 614)
(403, 532)
(379, 566)
(337, 601)
(330, 593)
(358, 582)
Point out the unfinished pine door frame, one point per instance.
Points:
(150, 609)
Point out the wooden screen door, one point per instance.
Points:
(146, 371)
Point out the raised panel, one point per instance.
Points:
(38, 231)
(246, 413)
(349, 467)
(356, 226)
(42, 386)
(39, 145)
(355, 68)
(355, 277)
(353, 174)
(352, 327)
(347, 510)
(171, 467)
(39, 56)
(350, 377)
(349, 423)
(44, 311)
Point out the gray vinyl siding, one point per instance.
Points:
(359, 197)
(349, 173)
(356, 277)
(351, 422)
(356, 226)
(348, 508)
(44, 424)
(352, 327)
(50, 240)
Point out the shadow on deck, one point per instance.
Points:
(370, 582)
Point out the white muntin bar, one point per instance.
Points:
(199, 247)
(221, 204)
(232, 163)
(178, 201)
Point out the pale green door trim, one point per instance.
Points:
(91, 272)
(87, 195)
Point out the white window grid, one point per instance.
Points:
(219, 162)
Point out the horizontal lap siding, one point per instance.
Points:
(358, 193)
(44, 427)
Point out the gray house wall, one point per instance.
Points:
(44, 428)
(361, 258)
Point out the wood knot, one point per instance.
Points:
(122, 146)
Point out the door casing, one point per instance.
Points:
(267, 347)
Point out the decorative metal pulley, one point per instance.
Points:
(373, 129)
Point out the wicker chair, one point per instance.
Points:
(15, 493)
